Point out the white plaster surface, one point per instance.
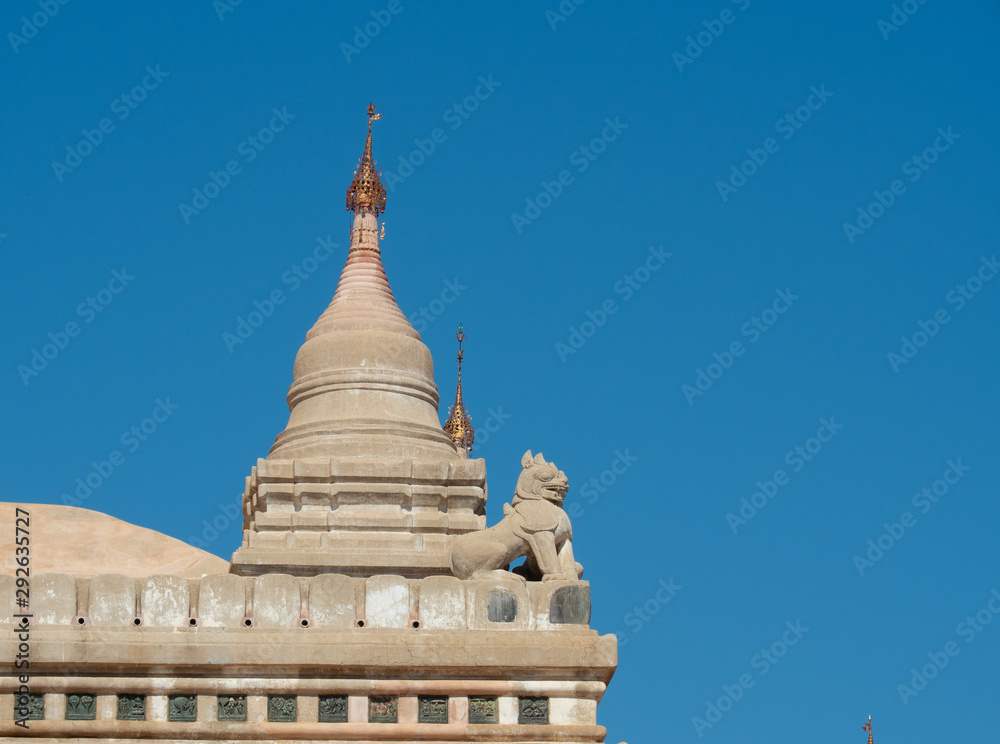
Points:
(387, 602)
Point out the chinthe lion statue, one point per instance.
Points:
(535, 525)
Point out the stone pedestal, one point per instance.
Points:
(358, 518)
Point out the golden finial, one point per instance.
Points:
(458, 426)
(366, 190)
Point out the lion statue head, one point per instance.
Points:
(540, 480)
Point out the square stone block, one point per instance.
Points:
(112, 600)
(441, 603)
(53, 599)
(332, 601)
(387, 602)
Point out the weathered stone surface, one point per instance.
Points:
(276, 601)
(112, 600)
(222, 601)
(387, 602)
(53, 598)
(165, 601)
(332, 601)
(441, 603)
(68, 539)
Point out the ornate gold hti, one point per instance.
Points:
(458, 426)
(366, 190)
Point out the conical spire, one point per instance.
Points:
(363, 382)
(366, 190)
(363, 300)
(868, 727)
(458, 426)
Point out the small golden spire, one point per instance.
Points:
(458, 426)
(366, 190)
(868, 727)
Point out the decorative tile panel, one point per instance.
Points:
(81, 706)
(281, 708)
(333, 708)
(383, 709)
(232, 707)
(182, 708)
(501, 607)
(570, 605)
(432, 709)
(484, 709)
(131, 707)
(31, 704)
(533, 710)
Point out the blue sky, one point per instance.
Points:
(677, 260)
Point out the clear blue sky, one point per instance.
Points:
(839, 112)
